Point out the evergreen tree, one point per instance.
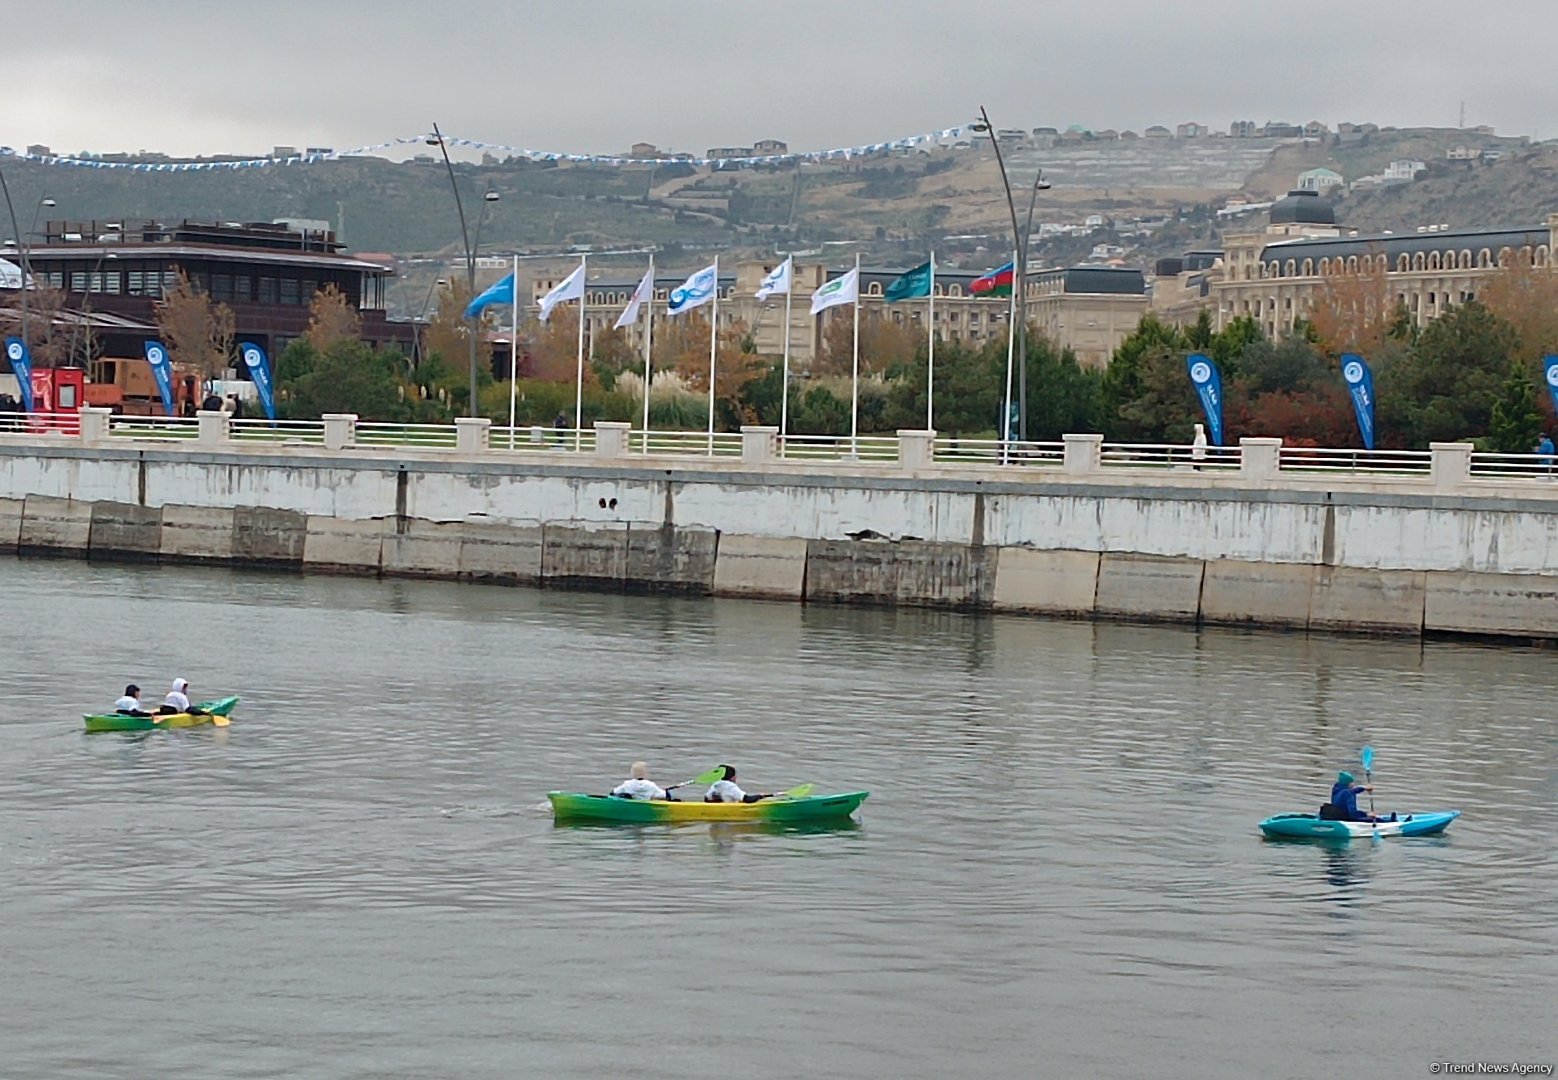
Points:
(1517, 419)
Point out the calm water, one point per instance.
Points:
(1058, 872)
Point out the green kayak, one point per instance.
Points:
(121, 722)
(570, 806)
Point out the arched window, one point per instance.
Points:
(1289, 268)
(1417, 261)
(1504, 256)
(1352, 264)
(874, 289)
(1541, 255)
(1325, 267)
(1403, 264)
(1433, 260)
(1309, 268)
(956, 290)
(1465, 260)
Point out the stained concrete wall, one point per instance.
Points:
(1397, 557)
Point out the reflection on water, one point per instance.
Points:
(1059, 861)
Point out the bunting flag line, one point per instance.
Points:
(846, 153)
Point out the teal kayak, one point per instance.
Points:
(1313, 827)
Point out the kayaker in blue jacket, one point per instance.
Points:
(1344, 796)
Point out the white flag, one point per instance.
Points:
(844, 289)
(11, 275)
(778, 281)
(695, 291)
(641, 295)
(570, 288)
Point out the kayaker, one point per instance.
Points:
(639, 786)
(1344, 797)
(725, 789)
(177, 700)
(130, 704)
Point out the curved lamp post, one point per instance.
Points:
(22, 243)
(421, 320)
(1020, 269)
(437, 139)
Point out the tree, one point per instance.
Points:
(1525, 296)
(198, 334)
(331, 318)
(883, 343)
(348, 377)
(1517, 420)
(1445, 386)
(1124, 382)
(1063, 396)
(1352, 312)
(48, 340)
(554, 353)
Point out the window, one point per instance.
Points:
(221, 286)
(78, 281)
(243, 288)
(135, 283)
(289, 291)
(267, 292)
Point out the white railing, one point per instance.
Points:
(1254, 460)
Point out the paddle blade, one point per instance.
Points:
(219, 720)
(797, 792)
(716, 773)
(1368, 758)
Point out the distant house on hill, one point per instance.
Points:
(1158, 131)
(1243, 129)
(769, 147)
(729, 152)
(643, 149)
(1403, 171)
(1191, 130)
(1280, 129)
(1315, 129)
(1319, 180)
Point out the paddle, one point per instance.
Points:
(799, 792)
(706, 777)
(1368, 778)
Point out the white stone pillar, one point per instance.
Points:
(1260, 459)
(1451, 464)
(611, 438)
(470, 433)
(759, 443)
(340, 430)
(1084, 453)
(94, 425)
(916, 449)
(215, 427)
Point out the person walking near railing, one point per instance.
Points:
(1198, 447)
(1544, 447)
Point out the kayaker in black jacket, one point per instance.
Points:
(130, 704)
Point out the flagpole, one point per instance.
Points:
(854, 392)
(514, 355)
(784, 388)
(930, 334)
(578, 390)
(713, 348)
(1011, 340)
(649, 327)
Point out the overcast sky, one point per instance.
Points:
(213, 76)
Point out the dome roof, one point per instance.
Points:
(1303, 208)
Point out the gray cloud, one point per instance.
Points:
(190, 76)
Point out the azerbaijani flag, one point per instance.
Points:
(997, 282)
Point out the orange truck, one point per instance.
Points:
(127, 386)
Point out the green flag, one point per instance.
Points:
(913, 284)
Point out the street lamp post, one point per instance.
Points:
(1020, 267)
(421, 320)
(86, 309)
(21, 242)
(437, 139)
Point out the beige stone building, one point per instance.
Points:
(1274, 275)
(1089, 309)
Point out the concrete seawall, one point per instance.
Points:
(1327, 553)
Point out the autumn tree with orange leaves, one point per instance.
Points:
(1352, 312)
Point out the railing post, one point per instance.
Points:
(94, 425)
(340, 430)
(611, 438)
(759, 443)
(215, 427)
(1260, 459)
(916, 449)
(470, 433)
(1450, 464)
(1083, 454)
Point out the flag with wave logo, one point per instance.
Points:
(21, 366)
(162, 371)
(779, 280)
(910, 285)
(1360, 384)
(255, 360)
(696, 291)
(1208, 382)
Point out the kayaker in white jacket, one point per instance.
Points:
(177, 700)
(130, 704)
(725, 789)
(638, 785)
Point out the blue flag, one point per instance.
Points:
(1360, 383)
(259, 370)
(162, 371)
(500, 292)
(1550, 361)
(910, 285)
(1208, 382)
(21, 365)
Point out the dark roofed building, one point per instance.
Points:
(1302, 206)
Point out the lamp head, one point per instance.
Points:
(47, 202)
(434, 140)
(979, 126)
(490, 195)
